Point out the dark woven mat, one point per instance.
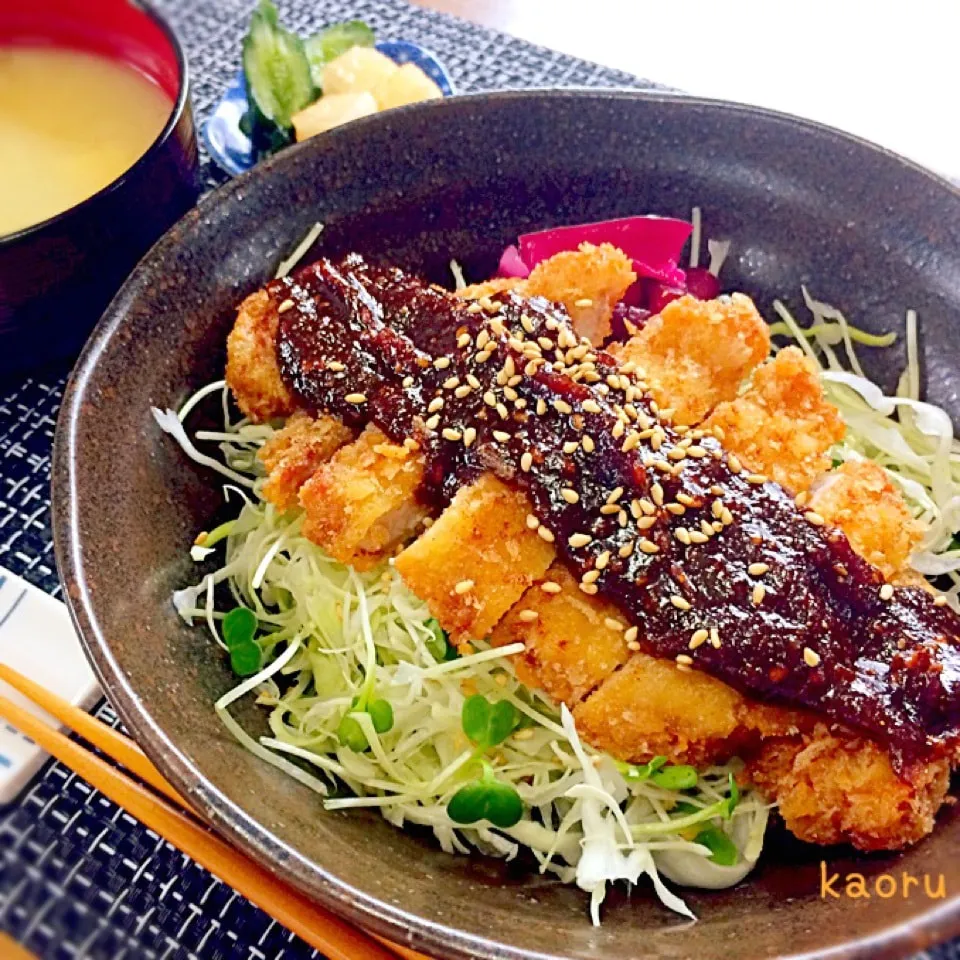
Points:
(79, 877)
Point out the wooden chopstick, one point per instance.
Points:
(319, 928)
(112, 743)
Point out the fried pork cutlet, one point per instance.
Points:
(296, 451)
(252, 372)
(781, 425)
(861, 500)
(588, 282)
(578, 652)
(363, 502)
(696, 353)
(476, 559)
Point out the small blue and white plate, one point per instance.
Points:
(231, 149)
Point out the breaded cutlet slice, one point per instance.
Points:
(696, 353)
(574, 642)
(781, 425)
(362, 503)
(296, 451)
(589, 282)
(252, 371)
(836, 787)
(861, 500)
(476, 559)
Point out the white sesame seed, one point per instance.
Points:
(441, 363)
(733, 462)
(814, 518)
(407, 382)
(590, 576)
(802, 498)
(545, 534)
(697, 537)
(469, 435)
(285, 306)
(630, 634)
(583, 302)
(684, 660)
(502, 412)
(656, 494)
(571, 446)
(645, 523)
(464, 586)
(758, 569)
(677, 509)
(483, 338)
(631, 442)
(450, 434)
(571, 496)
(759, 592)
(532, 522)
(682, 534)
(609, 509)
(698, 639)
(612, 624)
(715, 638)
(435, 404)
(501, 436)
(618, 430)
(939, 600)
(355, 398)
(680, 602)
(886, 591)
(490, 399)
(591, 589)
(463, 340)
(590, 405)
(756, 478)
(473, 381)
(433, 422)
(810, 657)
(578, 540)
(648, 546)
(451, 383)
(550, 586)
(603, 560)
(528, 616)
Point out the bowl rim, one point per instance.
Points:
(934, 925)
(176, 112)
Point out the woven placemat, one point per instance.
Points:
(79, 878)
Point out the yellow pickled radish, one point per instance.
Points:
(408, 84)
(331, 110)
(359, 68)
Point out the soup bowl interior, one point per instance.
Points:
(801, 204)
(58, 275)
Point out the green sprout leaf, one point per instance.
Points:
(381, 713)
(439, 643)
(680, 777)
(722, 849)
(488, 724)
(239, 627)
(351, 734)
(245, 658)
(486, 799)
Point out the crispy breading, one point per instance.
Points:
(696, 353)
(295, 452)
(362, 503)
(649, 707)
(781, 425)
(252, 371)
(497, 285)
(860, 499)
(477, 558)
(589, 282)
(839, 788)
(571, 647)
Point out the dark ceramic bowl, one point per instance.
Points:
(460, 178)
(57, 276)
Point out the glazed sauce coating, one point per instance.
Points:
(719, 568)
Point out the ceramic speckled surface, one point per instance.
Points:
(462, 177)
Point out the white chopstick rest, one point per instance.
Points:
(37, 639)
